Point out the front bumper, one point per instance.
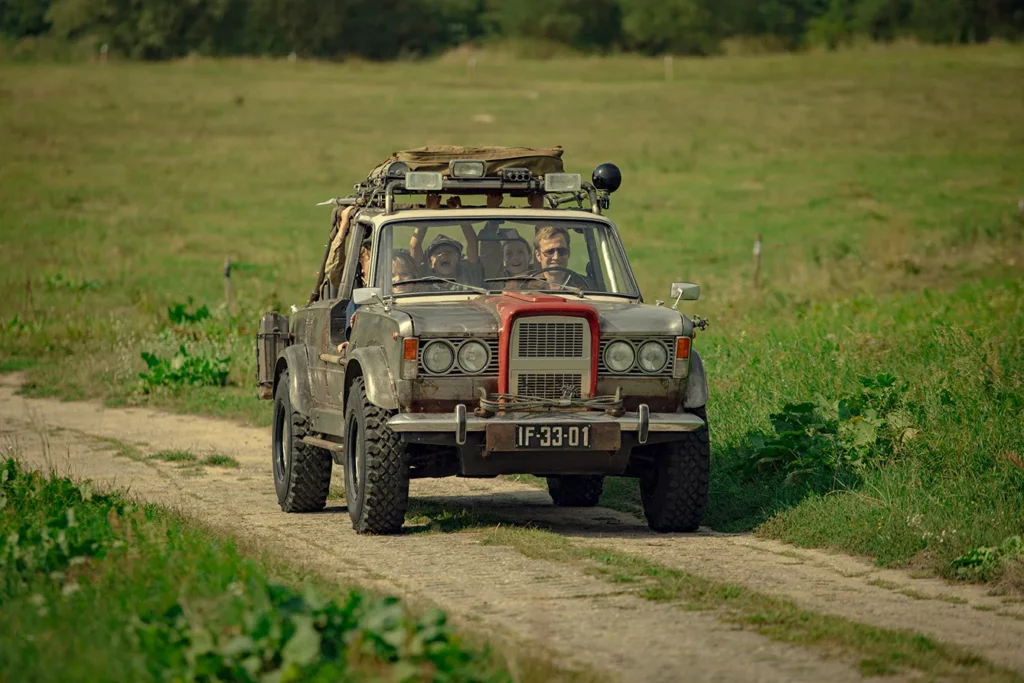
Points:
(459, 423)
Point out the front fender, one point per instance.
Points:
(299, 390)
(697, 384)
(372, 364)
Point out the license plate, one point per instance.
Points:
(541, 436)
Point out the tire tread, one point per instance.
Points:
(386, 481)
(676, 498)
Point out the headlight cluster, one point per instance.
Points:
(621, 356)
(439, 356)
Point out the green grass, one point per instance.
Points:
(174, 456)
(885, 184)
(218, 460)
(96, 587)
(878, 651)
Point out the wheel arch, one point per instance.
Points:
(299, 392)
(697, 384)
(371, 364)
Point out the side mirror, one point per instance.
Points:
(685, 291)
(367, 295)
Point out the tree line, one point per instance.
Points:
(389, 29)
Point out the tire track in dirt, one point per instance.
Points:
(586, 621)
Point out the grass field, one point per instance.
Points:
(885, 184)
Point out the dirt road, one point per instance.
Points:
(578, 618)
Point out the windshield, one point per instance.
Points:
(445, 256)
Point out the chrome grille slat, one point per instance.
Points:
(549, 385)
(550, 357)
(668, 342)
(551, 339)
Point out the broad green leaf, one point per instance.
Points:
(304, 646)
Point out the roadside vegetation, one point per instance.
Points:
(150, 29)
(96, 587)
(866, 396)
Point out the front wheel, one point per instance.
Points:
(674, 489)
(575, 490)
(376, 467)
(302, 473)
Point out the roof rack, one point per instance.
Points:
(468, 177)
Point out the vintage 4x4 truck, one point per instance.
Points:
(406, 366)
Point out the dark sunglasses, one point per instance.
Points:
(556, 251)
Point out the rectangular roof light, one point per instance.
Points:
(423, 181)
(562, 182)
(467, 168)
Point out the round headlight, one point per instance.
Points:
(438, 357)
(619, 356)
(652, 356)
(473, 356)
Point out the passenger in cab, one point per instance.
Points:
(515, 256)
(402, 268)
(444, 258)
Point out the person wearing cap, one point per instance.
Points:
(444, 257)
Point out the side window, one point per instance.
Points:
(352, 276)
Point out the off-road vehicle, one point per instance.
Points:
(561, 371)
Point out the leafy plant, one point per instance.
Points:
(183, 368)
(18, 326)
(984, 563)
(49, 523)
(290, 636)
(179, 314)
(827, 436)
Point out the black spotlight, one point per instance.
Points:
(607, 177)
(397, 170)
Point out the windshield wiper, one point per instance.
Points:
(435, 278)
(511, 278)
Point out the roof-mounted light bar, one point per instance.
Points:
(424, 181)
(562, 182)
(467, 168)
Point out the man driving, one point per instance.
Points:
(551, 251)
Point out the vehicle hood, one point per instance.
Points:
(480, 318)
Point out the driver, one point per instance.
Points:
(551, 250)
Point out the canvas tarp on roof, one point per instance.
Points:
(539, 161)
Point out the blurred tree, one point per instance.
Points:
(581, 24)
(144, 29)
(686, 27)
(882, 19)
(21, 18)
(388, 29)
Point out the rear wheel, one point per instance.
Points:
(302, 473)
(674, 489)
(576, 490)
(376, 466)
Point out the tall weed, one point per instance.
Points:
(836, 437)
(183, 369)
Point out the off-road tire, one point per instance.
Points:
(575, 490)
(302, 473)
(675, 488)
(376, 466)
